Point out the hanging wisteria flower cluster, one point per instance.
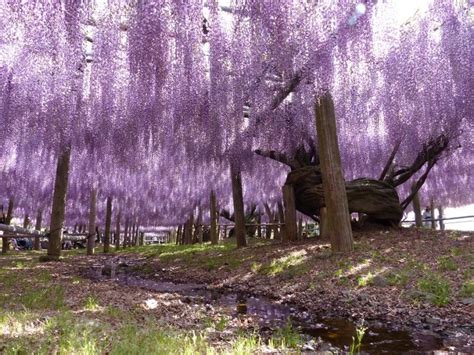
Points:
(155, 98)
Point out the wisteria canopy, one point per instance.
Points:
(155, 98)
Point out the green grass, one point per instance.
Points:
(50, 297)
(447, 263)
(91, 303)
(436, 288)
(286, 337)
(66, 333)
(293, 264)
(467, 289)
(398, 278)
(365, 280)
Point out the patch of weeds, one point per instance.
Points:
(357, 340)
(365, 280)
(91, 303)
(344, 281)
(245, 344)
(456, 251)
(376, 255)
(279, 265)
(399, 278)
(151, 340)
(256, 267)
(51, 297)
(467, 289)
(437, 289)
(16, 323)
(286, 337)
(446, 263)
(76, 280)
(218, 325)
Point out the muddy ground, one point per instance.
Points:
(413, 289)
(408, 279)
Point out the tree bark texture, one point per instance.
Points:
(59, 205)
(238, 200)
(92, 216)
(335, 196)
(108, 222)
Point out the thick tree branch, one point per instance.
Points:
(430, 152)
(390, 160)
(289, 87)
(277, 156)
(226, 214)
(419, 183)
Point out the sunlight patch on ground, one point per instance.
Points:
(353, 270)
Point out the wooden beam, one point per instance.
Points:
(108, 222)
(291, 231)
(92, 217)
(39, 220)
(339, 227)
(117, 230)
(417, 206)
(213, 218)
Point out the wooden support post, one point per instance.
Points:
(335, 196)
(238, 199)
(26, 221)
(291, 231)
(59, 206)
(268, 229)
(178, 235)
(137, 235)
(117, 230)
(142, 238)
(6, 241)
(108, 222)
(197, 226)
(125, 235)
(432, 209)
(300, 228)
(39, 220)
(132, 235)
(280, 218)
(225, 232)
(259, 226)
(440, 217)
(200, 234)
(92, 217)
(188, 230)
(417, 207)
(213, 217)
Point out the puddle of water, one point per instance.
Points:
(337, 332)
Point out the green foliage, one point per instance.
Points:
(286, 337)
(51, 297)
(357, 340)
(91, 303)
(292, 263)
(446, 263)
(399, 278)
(467, 289)
(365, 280)
(436, 288)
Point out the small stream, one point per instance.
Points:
(271, 315)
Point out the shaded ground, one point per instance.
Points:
(405, 279)
(420, 280)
